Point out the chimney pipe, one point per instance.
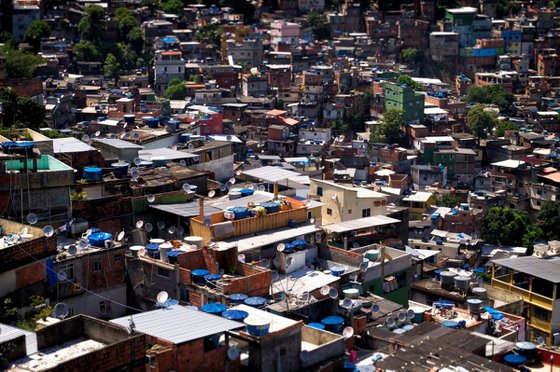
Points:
(201, 208)
(276, 190)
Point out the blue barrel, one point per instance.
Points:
(129, 118)
(526, 348)
(214, 308)
(257, 327)
(237, 315)
(246, 192)
(514, 360)
(172, 256)
(211, 279)
(240, 212)
(271, 207)
(317, 325)
(299, 244)
(333, 323)
(93, 174)
(450, 324)
(437, 274)
(237, 298)
(173, 124)
(98, 239)
(185, 137)
(153, 250)
(255, 301)
(418, 315)
(152, 122)
(337, 271)
(198, 275)
(289, 248)
(120, 169)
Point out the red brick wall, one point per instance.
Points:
(105, 213)
(17, 255)
(112, 273)
(30, 274)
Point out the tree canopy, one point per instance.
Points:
(391, 128)
(503, 126)
(209, 33)
(21, 111)
(172, 6)
(405, 79)
(86, 51)
(494, 94)
(21, 64)
(36, 31)
(446, 200)
(505, 226)
(481, 121)
(92, 24)
(411, 55)
(548, 219)
(111, 68)
(175, 92)
(320, 25)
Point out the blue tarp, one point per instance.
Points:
(496, 315)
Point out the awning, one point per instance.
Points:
(359, 224)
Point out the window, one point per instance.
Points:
(366, 212)
(68, 269)
(184, 295)
(97, 266)
(118, 257)
(163, 272)
(329, 211)
(349, 211)
(165, 69)
(320, 191)
(540, 313)
(104, 307)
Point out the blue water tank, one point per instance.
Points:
(333, 323)
(120, 169)
(214, 308)
(184, 138)
(237, 298)
(93, 174)
(240, 212)
(255, 301)
(271, 207)
(98, 239)
(237, 315)
(129, 118)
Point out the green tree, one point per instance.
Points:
(7, 39)
(34, 33)
(503, 126)
(172, 7)
(320, 25)
(136, 39)
(92, 24)
(175, 81)
(111, 68)
(29, 113)
(125, 22)
(494, 94)
(21, 65)
(8, 98)
(548, 219)
(209, 33)
(152, 5)
(407, 80)
(505, 226)
(86, 51)
(391, 128)
(37, 309)
(410, 55)
(368, 96)
(175, 92)
(446, 200)
(481, 121)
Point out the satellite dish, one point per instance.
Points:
(61, 310)
(363, 266)
(375, 308)
(109, 244)
(207, 221)
(232, 180)
(161, 225)
(346, 303)
(171, 230)
(183, 163)
(241, 257)
(223, 187)
(137, 161)
(136, 135)
(85, 138)
(356, 245)
(142, 252)
(139, 224)
(274, 276)
(186, 187)
(83, 244)
(162, 297)
(135, 174)
(312, 220)
(540, 340)
(190, 146)
(61, 275)
(97, 134)
(151, 198)
(333, 293)
(48, 231)
(410, 314)
(233, 353)
(72, 249)
(276, 262)
(265, 262)
(348, 332)
(305, 296)
(211, 193)
(280, 247)
(401, 316)
(251, 187)
(120, 236)
(262, 188)
(333, 196)
(148, 227)
(238, 173)
(228, 137)
(390, 322)
(180, 230)
(325, 290)
(229, 185)
(126, 136)
(32, 218)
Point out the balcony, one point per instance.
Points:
(529, 296)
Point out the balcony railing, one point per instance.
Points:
(531, 297)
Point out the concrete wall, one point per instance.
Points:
(330, 346)
(222, 167)
(89, 304)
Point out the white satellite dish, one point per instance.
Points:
(325, 290)
(83, 244)
(346, 303)
(401, 316)
(120, 236)
(364, 266)
(390, 322)
(142, 252)
(72, 249)
(410, 314)
(232, 180)
(85, 138)
(161, 225)
(135, 174)
(171, 230)
(190, 146)
(148, 227)
(274, 276)
(229, 185)
(151, 198)
(333, 196)
(207, 221)
(211, 193)
(223, 187)
(183, 163)
(238, 173)
(262, 188)
(136, 135)
(186, 187)
(348, 332)
(280, 247)
(375, 308)
(139, 224)
(32, 218)
(241, 257)
(180, 230)
(109, 244)
(333, 293)
(265, 262)
(162, 297)
(48, 231)
(61, 310)
(540, 340)
(97, 134)
(233, 353)
(61, 275)
(137, 161)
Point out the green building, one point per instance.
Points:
(403, 97)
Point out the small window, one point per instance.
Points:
(163, 272)
(349, 211)
(540, 313)
(329, 211)
(104, 307)
(366, 212)
(97, 266)
(68, 270)
(320, 191)
(118, 257)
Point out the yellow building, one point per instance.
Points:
(418, 203)
(538, 281)
(345, 202)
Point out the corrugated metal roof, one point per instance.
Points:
(118, 143)
(8, 333)
(185, 209)
(178, 324)
(543, 268)
(270, 174)
(70, 144)
(303, 280)
(164, 153)
(257, 197)
(268, 237)
(361, 223)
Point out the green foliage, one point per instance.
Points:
(446, 200)
(320, 25)
(175, 81)
(53, 134)
(38, 309)
(356, 123)
(20, 64)
(503, 126)
(7, 39)
(125, 22)
(9, 310)
(391, 128)
(481, 121)
(548, 219)
(82, 195)
(494, 94)
(368, 96)
(175, 92)
(172, 7)
(111, 67)
(209, 33)
(35, 32)
(505, 8)
(411, 56)
(405, 79)
(21, 111)
(86, 51)
(92, 25)
(151, 4)
(194, 78)
(506, 226)
(135, 39)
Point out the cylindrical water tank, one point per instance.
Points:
(194, 240)
(474, 305)
(447, 277)
(462, 283)
(480, 292)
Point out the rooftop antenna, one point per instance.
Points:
(61, 310)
